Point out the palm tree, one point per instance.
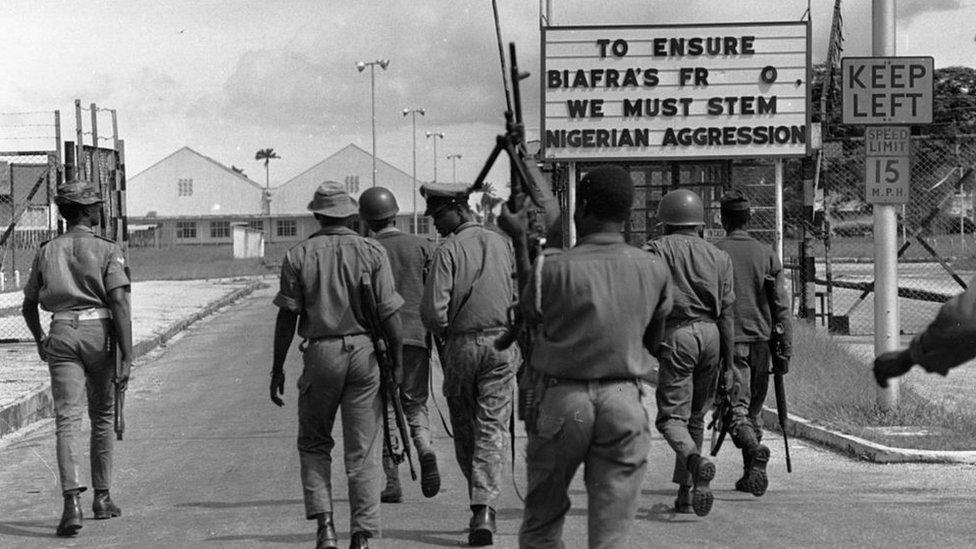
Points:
(267, 155)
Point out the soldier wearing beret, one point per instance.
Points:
(81, 279)
(466, 301)
(321, 281)
(761, 306)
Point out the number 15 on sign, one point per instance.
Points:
(887, 179)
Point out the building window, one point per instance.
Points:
(256, 224)
(186, 230)
(184, 187)
(220, 229)
(352, 184)
(286, 227)
(423, 225)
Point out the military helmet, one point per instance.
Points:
(377, 203)
(681, 208)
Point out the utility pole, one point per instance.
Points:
(414, 113)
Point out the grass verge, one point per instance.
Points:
(832, 386)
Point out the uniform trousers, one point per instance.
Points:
(479, 386)
(604, 426)
(81, 360)
(751, 384)
(414, 391)
(686, 389)
(341, 371)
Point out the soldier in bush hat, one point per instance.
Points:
(90, 323)
(698, 342)
(466, 300)
(761, 304)
(410, 257)
(321, 280)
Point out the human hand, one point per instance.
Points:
(277, 387)
(515, 224)
(890, 365)
(781, 365)
(40, 348)
(122, 379)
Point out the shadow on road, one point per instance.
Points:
(240, 504)
(307, 537)
(28, 529)
(662, 512)
(436, 538)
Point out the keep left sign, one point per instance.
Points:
(887, 90)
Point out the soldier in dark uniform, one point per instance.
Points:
(80, 277)
(410, 257)
(950, 340)
(698, 340)
(466, 301)
(321, 280)
(761, 304)
(591, 412)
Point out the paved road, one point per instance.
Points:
(209, 462)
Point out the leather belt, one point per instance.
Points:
(95, 313)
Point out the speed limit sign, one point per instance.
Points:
(887, 164)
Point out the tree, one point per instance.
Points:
(234, 168)
(484, 209)
(267, 155)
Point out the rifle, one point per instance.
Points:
(721, 422)
(780, 366)
(119, 388)
(526, 181)
(389, 389)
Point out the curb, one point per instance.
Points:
(860, 448)
(39, 404)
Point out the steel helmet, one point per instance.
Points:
(681, 207)
(377, 203)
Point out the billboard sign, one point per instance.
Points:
(676, 91)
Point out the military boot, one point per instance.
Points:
(71, 516)
(757, 481)
(482, 526)
(702, 472)
(682, 503)
(103, 507)
(360, 540)
(392, 493)
(430, 478)
(742, 485)
(325, 537)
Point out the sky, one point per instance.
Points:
(227, 78)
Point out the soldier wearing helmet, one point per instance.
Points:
(761, 304)
(698, 337)
(410, 257)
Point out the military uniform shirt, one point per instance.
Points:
(410, 257)
(755, 267)
(950, 339)
(470, 285)
(321, 278)
(76, 271)
(598, 298)
(702, 276)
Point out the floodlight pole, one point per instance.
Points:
(413, 113)
(383, 63)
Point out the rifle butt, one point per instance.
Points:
(782, 414)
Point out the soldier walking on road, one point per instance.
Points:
(410, 257)
(466, 301)
(591, 364)
(761, 305)
(698, 340)
(320, 292)
(80, 277)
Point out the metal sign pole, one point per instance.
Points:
(571, 203)
(886, 322)
(779, 209)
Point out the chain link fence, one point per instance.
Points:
(937, 253)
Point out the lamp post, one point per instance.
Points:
(436, 136)
(360, 66)
(454, 158)
(414, 113)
